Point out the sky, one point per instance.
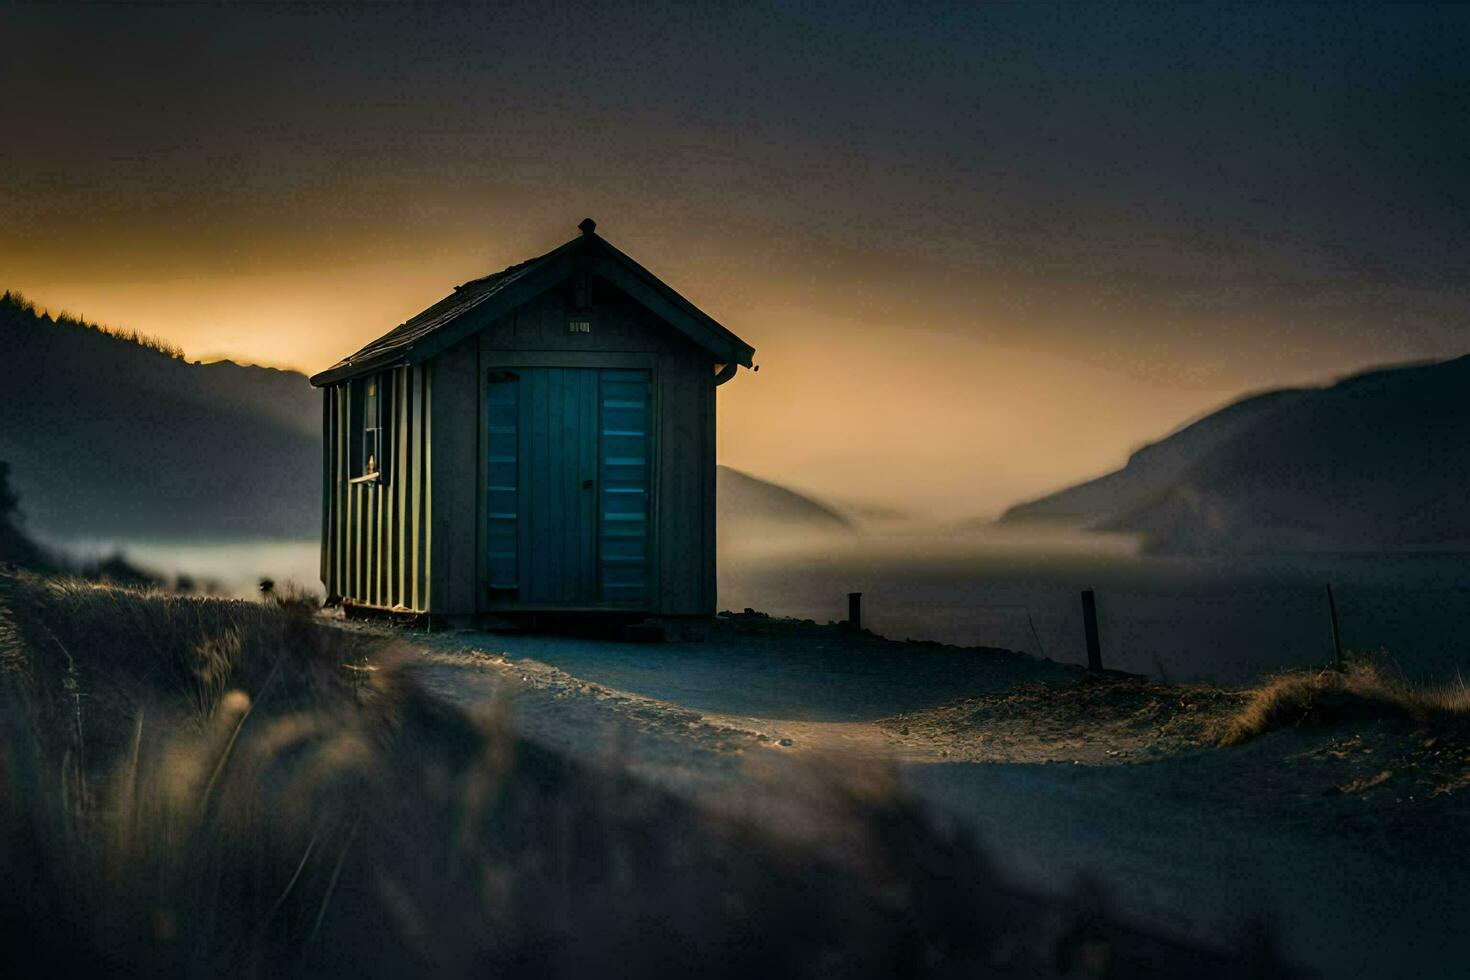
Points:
(983, 250)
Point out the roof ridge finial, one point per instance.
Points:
(587, 227)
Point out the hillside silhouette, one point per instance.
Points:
(748, 502)
(1153, 469)
(114, 435)
(1374, 462)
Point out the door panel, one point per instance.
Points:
(567, 478)
(623, 511)
(560, 450)
(502, 484)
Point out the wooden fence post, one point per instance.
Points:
(1089, 628)
(855, 610)
(1336, 635)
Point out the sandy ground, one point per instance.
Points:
(1348, 842)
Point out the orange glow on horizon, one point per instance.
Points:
(939, 405)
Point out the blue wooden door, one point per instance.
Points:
(567, 478)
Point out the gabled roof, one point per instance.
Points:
(446, 323)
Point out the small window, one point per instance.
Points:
(579, 326)
(371, 444)
(372, 428)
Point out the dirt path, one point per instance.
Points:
(1062, 777)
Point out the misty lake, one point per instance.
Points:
(1185, 619)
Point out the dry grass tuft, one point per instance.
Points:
(1366, 690)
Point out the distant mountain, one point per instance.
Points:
(1375, 462)
(114, 435)
(1150, 471)
(743, 501)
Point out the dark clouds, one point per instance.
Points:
(1193, 126)
(1239, 194)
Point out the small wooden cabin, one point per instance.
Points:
(542, 439)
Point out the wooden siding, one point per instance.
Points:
(375, 546)
(685, 487)
(454, 444)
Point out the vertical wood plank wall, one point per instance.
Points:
(685, 499)
(375, 539)
(457, 463)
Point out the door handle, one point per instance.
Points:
(586, 484)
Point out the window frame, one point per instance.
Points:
(378, 425)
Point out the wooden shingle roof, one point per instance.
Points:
(449, 320)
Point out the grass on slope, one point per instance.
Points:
(200, 787)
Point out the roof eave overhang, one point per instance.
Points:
(556, 268)
(607, 262)
(348, 370)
